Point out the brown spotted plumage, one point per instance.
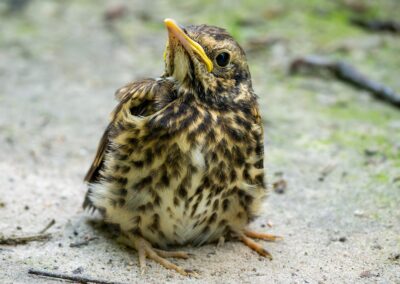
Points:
(181, 161)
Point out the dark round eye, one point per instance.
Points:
(222, 59)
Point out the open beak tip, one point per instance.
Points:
(187, 42)
(169, 22)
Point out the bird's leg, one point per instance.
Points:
(247, 238)
(146, 250)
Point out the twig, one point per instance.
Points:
(326, 171)
(348, 74)
(76, 278)
(377, 25)
(49, 225)
(18, 240)
(82, 243)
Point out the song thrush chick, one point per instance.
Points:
(181, 161)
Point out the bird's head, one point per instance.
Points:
(206, 59)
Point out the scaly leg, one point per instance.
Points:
(146, 250)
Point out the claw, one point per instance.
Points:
(191, 272)
(255, 246)
(247, 236)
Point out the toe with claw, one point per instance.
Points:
(145, 250)
(247, 238)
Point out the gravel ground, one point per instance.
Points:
(337, 149)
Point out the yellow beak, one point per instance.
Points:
(189, 44)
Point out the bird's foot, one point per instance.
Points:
(247, 238)
(146, 250)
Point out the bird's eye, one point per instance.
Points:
(222, 59)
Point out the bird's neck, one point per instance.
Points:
(216, 96)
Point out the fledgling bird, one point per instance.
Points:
(181, 161)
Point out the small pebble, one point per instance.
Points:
(341, 239)
(115, 12)
(368, 274)
(394, 257)
(359, 213)
(370, 152)
(376, 246)
(78, 270)
(280, 186)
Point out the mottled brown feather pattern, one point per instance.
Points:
(132, 96)
(181, 161)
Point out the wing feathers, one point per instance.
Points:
(138, 97)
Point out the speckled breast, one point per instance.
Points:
(196, 187)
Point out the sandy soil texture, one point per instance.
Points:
(337, 149)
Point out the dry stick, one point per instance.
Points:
(18, 240)
(326, 171)
(349, 74)
(77, 278)
(377, 25)
(82, 243)
(52, 222)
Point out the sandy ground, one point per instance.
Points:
(59, 66)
